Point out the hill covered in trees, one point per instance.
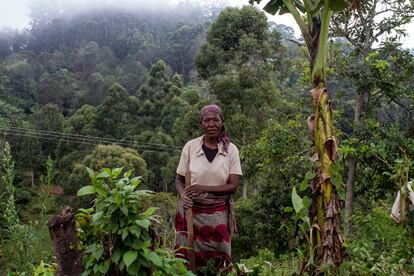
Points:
(123, 88)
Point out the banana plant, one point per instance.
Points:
(325, 236)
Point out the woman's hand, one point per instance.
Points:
(187, 201)
(194, 190)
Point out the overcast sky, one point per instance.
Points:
(15, 13)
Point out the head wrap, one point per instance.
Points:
(224, 138)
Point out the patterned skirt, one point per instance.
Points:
(213, 223)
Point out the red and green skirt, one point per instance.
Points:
(213, 223)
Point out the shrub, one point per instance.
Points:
(116, 234)
(379, 246)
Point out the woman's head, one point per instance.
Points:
(211, 120)
(212, 123)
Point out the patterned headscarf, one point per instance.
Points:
(224, 138)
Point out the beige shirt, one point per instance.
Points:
(203, 172)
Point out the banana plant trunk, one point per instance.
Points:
(325, 238)
(326, 234)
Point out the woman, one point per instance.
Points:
(214, 164)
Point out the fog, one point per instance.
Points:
(17, 13)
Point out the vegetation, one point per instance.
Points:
(120, 90)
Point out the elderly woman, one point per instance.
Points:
(214, 164)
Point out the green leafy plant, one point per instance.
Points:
(44, 269)
(379, 246)
(116, 235)
(21, 245)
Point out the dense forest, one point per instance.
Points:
(123, 88)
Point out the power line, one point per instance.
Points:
(87, 140)
(85, 137)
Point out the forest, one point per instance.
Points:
(111, 95)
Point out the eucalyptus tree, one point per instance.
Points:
(313, 18)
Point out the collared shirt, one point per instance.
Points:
(207, 173)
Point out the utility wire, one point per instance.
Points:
(87, 140)
(85, 137)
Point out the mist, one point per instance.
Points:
(18, 14)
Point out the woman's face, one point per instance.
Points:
(211, 124)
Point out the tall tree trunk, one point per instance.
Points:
(350, 181)
(32, 175)
(359, 123)
(244, 189)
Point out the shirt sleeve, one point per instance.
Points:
(235, 167)
(183, 165)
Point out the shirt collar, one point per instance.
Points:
(200, 149)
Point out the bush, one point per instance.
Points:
(117, 234)
(379, 245)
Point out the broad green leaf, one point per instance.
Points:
(90, 248)
(107, 170)
(310, 175)
(103, 174)
(134, 269)
(118, 199)
(105, 266)
(91, 173)
(128, 174)
(101, 191)
(129, 257)
(304, 185)
(150, 211)
(273, 6)
(86, 190)
(136, 181)
(116, 172)
(120, 184)
(337, 181)
(135, 230)
(145, 223)
(98, 253)
(288, 209)
(116, 255)
(337, 5)
(96, 216)
(124, 210)
(296, 201)
(96, 269)
(154, 258)
(307, 202)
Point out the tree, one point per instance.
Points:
(157, 156)
(325, 222)
(57, 88)
(362, 28)
(104, 156)
(48, 118)
(182, 46)
(95, 92)
(116, 115)
(21, 77)
(160, 95)
(239, 61)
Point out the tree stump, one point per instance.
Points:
(62, 229)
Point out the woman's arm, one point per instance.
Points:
(180, 185)
(228, 189)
